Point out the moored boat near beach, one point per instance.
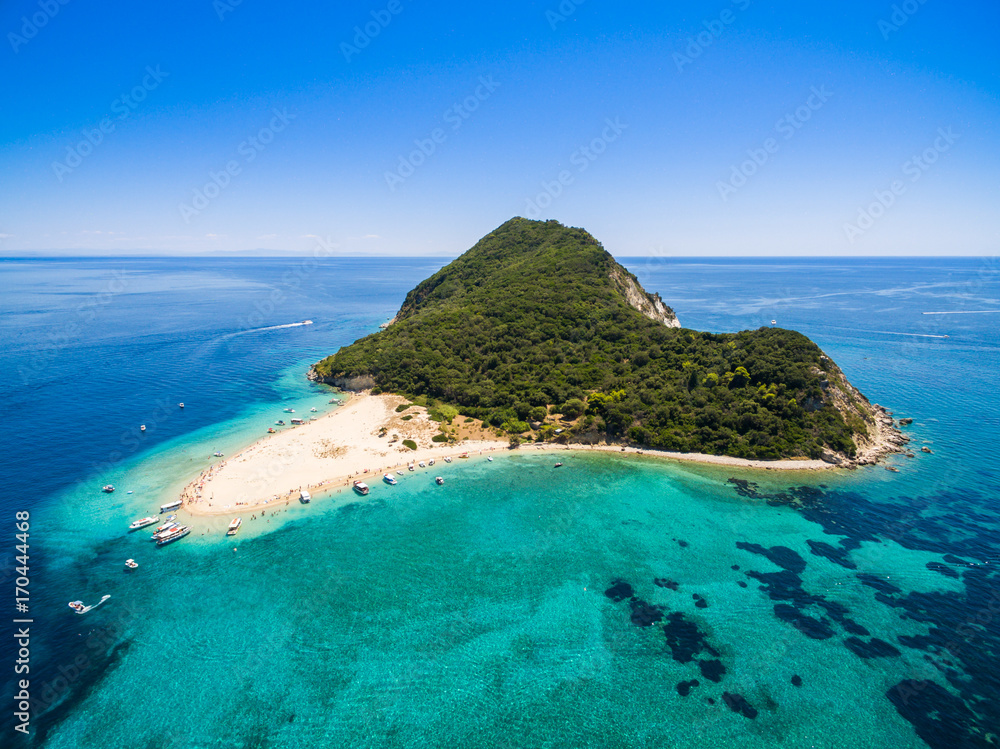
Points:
(234, 526)
(305, 497)
(390, 479)
(361, 487)
(174, 535)
(171, 505)
(136, 525)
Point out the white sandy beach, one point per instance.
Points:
(337, 448)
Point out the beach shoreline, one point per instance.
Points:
(362, 440)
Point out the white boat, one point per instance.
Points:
(289, 410)
(171, 517)
(422, 464)
(167, 525)
(107, 488)
(131, 564)
(558, 465)
(390, 479)
(307, 322)
(217, 454)
(180, 405)
(313, 409)
(79, 608)
(297, 422)
(305, 497)
(142, 427)
(430, 462)
(171, 505)
(234, 526)
(774, 322)
(361, 488)
(163, 531)
(490, 460)
(177, 533)
(143, 523)
(409, 467)
(439, 480)
(447, 459)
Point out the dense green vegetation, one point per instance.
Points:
(527, 326)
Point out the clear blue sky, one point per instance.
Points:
(321, 137)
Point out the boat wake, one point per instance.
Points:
(963, 312)
(276, 327)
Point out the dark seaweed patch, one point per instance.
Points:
(875, 648)
(939, 718)
(645, 614)
(876, 582)
(684, 688)
(738, 704)
(712, 670)
(685, 640)
(836, 554)
(796, 681)
(662, 582)
(817, 629)
(619, 591)
(741, 584)
(782, 556)
(944, 569)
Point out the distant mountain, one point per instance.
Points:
(538, 328)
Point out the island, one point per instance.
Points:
(536, 337)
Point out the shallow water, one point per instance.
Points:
(479, 612)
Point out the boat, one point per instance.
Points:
(79, 608)
(464, 455)
(171, 518)
(361, 487)
(390, 479)
(430, 462)
(279, 423)
(234, 526)
(164, 530)
(180, 405)
(297, 422)
(272, 430)
(167, 525)
(131, 564)
(129, 491)
(289, 410)
(558, 465)
(176, 534)
(142, 427)
(143, 523)
(171, 505)
(439, 480)
(447, 459)
(107, 488)
(305, 497)
(307, 322)
(217, 454)
(313, 409)
(422, 464)
(490, 459)
(774, 322)
(409, 467)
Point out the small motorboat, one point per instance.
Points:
(307, 322)
(305, 497)
(447, 459)
(79, 608)
(430, 462)
(390, 479)
(289, 410)
(774, 322)
(439, 480)
(409, 467)
(279, 423)
(142, 427)
(180, 405)
(361, 488)
(313, 409)
(464, 455)
(422, 464)
(131, 564)
(272, 430)
(143, 523)
(217, 454)
(234, 526)
(558, 465)
(129, 491)
(490, 459)
(171, 518)
(107, 488)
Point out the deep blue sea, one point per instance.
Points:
(618, 602)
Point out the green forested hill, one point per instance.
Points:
(535, 321)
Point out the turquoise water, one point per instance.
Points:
(517, 605)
